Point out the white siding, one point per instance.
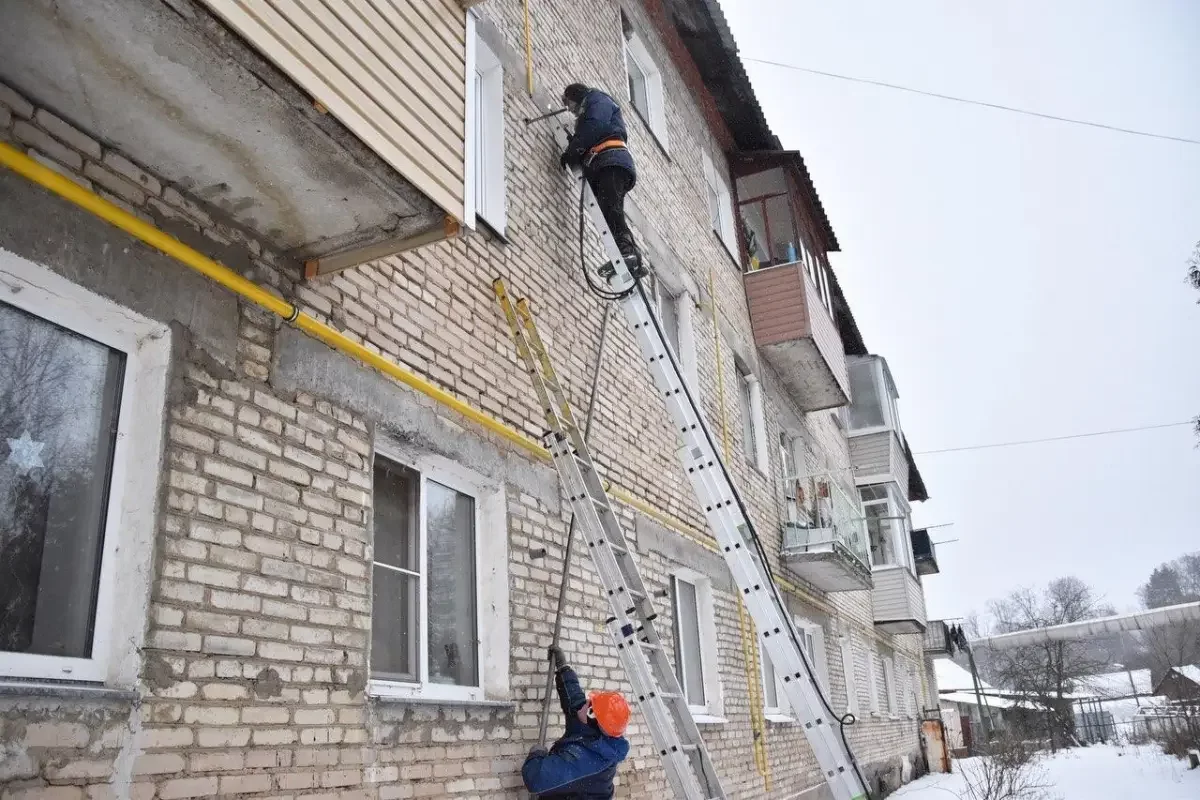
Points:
(394, 73)
(897, 595)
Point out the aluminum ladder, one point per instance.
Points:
(631, 625)
(723, 508)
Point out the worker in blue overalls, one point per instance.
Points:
(583, 763)
(598, 147)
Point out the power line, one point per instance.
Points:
(968, 101)
(1055, 438)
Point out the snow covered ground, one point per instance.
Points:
(1102, 772)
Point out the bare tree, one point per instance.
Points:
(1193, 272)
(1046, 674)
(1009, 771)
(1176, 581)
(1193, 277)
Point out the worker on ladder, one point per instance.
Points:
(582, 764)
(598, 147)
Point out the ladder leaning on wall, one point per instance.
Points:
(649, 670)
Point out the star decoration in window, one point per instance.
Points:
(25, 454)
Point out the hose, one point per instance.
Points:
(844, 720)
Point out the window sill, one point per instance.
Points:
(653, 133)
(65, 691)
(733, 258)
(483, 226)
(708, 719)
(399, 700)
(782, 719)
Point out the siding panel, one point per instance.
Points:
(336, 51)
(897, 595)
(869, 454)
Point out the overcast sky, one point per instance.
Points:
(1023, 278)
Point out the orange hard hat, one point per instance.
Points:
(611, 712)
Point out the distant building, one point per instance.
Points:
(1180, 683)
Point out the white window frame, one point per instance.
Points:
(752, 402)
(492, 610)
(808, 631)
(886, 391)
(681, 304)
(635, 48)
(889, 685)
(896, 507)
(713, 709)
(129, 527)
(484, 193)
(846, 647)
(873, 679)
(718, 187)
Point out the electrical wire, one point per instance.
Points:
(599, 291)
(1054, 438)
(969, 101)
(844, 720)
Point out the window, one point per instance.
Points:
(82, 387)
(847, 654)
(887, 525)
(668, 314)
(645, 84)
(812, 639)
(866, 410)
(748, 431)
(790, 476)
(485, 140)
(873, 403)
(696, 644)
(872, 679)
(889, 685)
(675, 315)
(720, 206)
(766, 209)
(431, 576)
(753, 425)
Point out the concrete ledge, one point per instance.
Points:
(684, 552)
(403, 416)
(88, 251)
(22, 690)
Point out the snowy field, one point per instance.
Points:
(1087, 773)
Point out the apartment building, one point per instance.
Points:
(276, 519)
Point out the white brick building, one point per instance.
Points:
(235, 561)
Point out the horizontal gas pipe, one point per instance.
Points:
(67, 189)
(1102, 626)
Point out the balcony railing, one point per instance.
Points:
(924, 553)
(824, 538)
(937, 638)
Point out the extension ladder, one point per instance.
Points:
(649, 670)
(723, 508)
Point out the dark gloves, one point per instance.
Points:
(556, 655)
(564, 160)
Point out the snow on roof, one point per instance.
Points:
(1191, 672)
(953, 678)
(1114, 684)
(967, 698)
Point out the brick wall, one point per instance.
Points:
(256, 659)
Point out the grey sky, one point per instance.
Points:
(1024, 278)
